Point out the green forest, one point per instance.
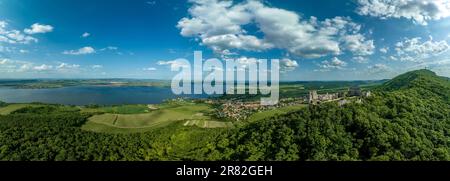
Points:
(407, 118)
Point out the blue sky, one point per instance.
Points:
(316, 40)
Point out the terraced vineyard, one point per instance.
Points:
(162, 115)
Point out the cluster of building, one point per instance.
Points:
(239, 110)
(315, 98)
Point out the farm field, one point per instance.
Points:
(158, 116)
(274, 112)
(122, 109)
(208, 124)
(13, 107)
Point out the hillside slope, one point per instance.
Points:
(407, 118)
(424, 81)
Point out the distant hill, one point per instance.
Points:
(424, 81)
(408, 80)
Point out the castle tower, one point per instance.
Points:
(313, 97)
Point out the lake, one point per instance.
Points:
(84, 95)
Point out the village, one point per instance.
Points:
(239, 110)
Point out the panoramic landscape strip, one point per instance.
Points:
(367, 118)
(210, 89)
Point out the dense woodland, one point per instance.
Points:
(408, 118)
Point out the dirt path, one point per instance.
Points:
(115, 119)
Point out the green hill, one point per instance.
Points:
(407, 80)
(425, 82)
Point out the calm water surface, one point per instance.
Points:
(84, 95)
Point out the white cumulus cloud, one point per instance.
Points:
(149, 69)
(39, 28)
(13, 36)
(43, 67)
(19, 66)
(416, 50)
(419, 11)
(360, 59)
(67, 66)
(81, 51)
(220, 26)
(357, 43)
(384, 50)
(378, 68)
(173, 63)
(333, 64)
(287, 65)
(85, 35)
